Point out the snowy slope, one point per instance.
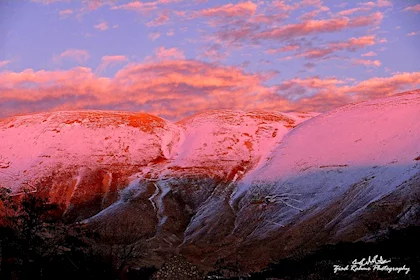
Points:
(36, 143)
(215, 149)
(371, 133)
(87, 158)
(335, 175)
(355, 138)
(228, 138)
(80, 155)
(223, 180)
(344, 175)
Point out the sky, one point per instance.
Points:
(175, 58)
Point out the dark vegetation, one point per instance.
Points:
(36, 244)
(402, 247)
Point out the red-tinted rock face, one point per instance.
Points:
(253, 186)
(84, 158)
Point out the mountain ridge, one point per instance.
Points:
(215, 185)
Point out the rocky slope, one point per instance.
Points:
(246, 187)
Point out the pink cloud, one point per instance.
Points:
(369, 54)
(282, 6)
(231, 10)
(287, 48)
(214, 52)
(173, 88)
(79, 55)
(49, 84)
(378, 3)
(310, 27)
(92, 5)
(332, 93)
(143, 7)
(319, 95)
(268, 19)
(350, 45)
(65, 13)
(167, 54)
(369, 63)
(154, 35)
(286, 58)
(413, 33)
(384, 3)
(183, 71)
(160, 20)
(316, 3)
(352, 11)
(180, 13)
(137, 6)
(312, 82)
(372, 19)
(415, 8)
(177, 88)
(4, 63)
(168, 1)
(359, 42)
(382, 40)
(110, 60)
(314, 13)
(317, 52)
(377, 87)
(168, 84)
(102, 26)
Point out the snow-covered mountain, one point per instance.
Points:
(222, 184)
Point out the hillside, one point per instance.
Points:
(255, 186)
